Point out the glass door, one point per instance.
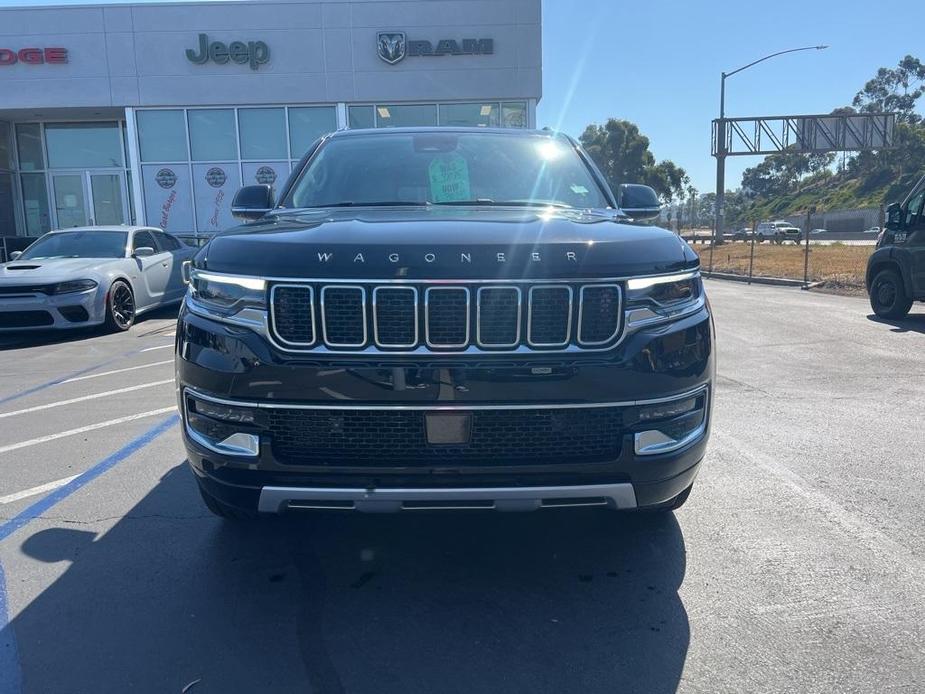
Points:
(71, 208)
(107, 193)
(89, 198)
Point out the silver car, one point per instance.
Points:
(90, 276)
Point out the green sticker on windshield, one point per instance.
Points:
(449, 178)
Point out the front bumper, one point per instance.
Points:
(38, 311)
(228, 364)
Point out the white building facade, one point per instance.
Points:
(157, 113)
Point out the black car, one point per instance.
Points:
(445, 319)
(896, 270)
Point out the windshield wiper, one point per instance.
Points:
(377, 203)
(488, 202)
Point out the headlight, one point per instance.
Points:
(655, 299)
(227, 294)
(73, 286)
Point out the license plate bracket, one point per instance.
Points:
(447, 428)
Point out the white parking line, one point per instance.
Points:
(26, 493)
(90, 427)
(84, 398)
(118, 371)
(151, 349)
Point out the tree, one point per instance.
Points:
(622, 153)
(894, 89)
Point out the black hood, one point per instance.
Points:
(445, 243)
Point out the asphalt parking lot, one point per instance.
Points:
(797, 565)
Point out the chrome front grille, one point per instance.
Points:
(446, 317)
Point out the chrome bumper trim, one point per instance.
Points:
(280, 499)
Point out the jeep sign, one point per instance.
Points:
(33, 56)
(253, 53)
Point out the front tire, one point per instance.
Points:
(120, 307)
(888, 296)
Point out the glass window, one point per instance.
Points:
(520, 170)
(6, 158)
(83, 145)
(308, 124)
(514, 114)
(406, 115)
(211, 134)
(7, 220)
(78, 244)
(361, 117)
(143, 238)
(485, 115)
(162, 136)
(29, 147)
(35, 203)
(168, 196)
(263, 133)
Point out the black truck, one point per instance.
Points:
(444, 318)
(896, 269)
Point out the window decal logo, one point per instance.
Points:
(216, 177)
(166, 179)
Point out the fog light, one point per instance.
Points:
(671, 425)
(218, 427)
(225, 413)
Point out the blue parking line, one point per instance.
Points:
(10, 670)
(46, 502)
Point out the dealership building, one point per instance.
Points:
(156, 113)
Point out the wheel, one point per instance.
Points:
(120, 307)
(671, 504)
(223, 510)
(888, 295)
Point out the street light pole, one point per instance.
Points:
(718, 221)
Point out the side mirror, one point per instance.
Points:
(143, 252)
(894, 216)
(15, 254)
(638, 202)
(252, 202)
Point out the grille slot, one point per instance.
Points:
(598, 314)
(498, 316)
(343, 316)
(395, 316)
(372, 438)
(447, 316)
(420, 316)
(292, 311)
(549, 321)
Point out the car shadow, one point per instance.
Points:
(36, 338)
(554, 601)
(913, 323)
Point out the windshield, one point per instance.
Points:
(446, 168)
(78, 244)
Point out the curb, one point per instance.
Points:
(776, 281)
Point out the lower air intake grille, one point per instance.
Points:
(398, 438)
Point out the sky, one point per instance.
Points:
(658, 64)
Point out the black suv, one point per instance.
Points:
(444, 319)
(896, 270)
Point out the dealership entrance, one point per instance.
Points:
(91, 197)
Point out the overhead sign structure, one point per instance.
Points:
(394, 46)
(804, 134)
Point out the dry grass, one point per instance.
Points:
(836, 265)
